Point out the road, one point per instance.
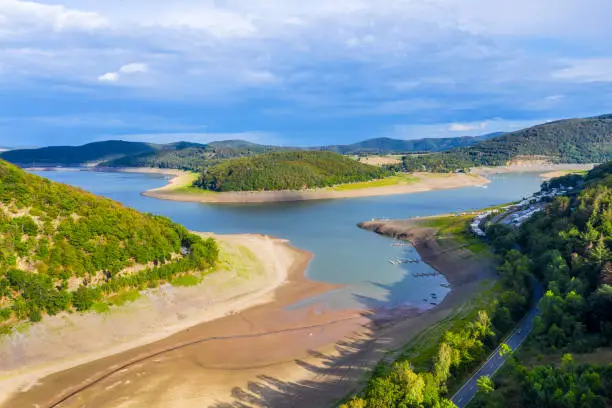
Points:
(495, 361)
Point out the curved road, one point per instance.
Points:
(495, 361)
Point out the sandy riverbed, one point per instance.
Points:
(265, 356)
(426, 182)
(252, 267)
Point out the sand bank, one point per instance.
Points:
(251, 268)
(426, 182)
(268, 355)
(535, 166)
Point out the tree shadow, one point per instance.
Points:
(335, 374)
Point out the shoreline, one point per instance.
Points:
(427, 182)
(319, 354)
(276, 258)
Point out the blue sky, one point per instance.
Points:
(296, 72)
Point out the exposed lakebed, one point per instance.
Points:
(344, 254)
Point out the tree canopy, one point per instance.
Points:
(63, 248)
(294, 170)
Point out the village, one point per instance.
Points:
(516, 214)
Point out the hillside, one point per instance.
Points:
(286, 171)
(62, 248)
(77, 155)
(385, 145)
(587, 140)
(568, 248)
(191, 156)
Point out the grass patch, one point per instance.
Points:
(400, 179)
(457, 228)
(186, 280)
(239, 259)
(122, 298)
(100, 307)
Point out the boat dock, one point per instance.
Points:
(425, 274)
(400, 261)
(401, 244)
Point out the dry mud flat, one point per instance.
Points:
(268, 355)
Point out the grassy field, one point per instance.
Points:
(186, 280)
(399, 179)
(456, 227)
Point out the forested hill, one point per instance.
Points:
(568, 248)
(587, 140)
(62, 248)
(77, 155)
(287, 171)
(191, 156)
(385, 145)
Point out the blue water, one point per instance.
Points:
(344, 254)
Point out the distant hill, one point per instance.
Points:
(385, 145)
(192, 156)
(62, 248)
(77, 155)
(293, 170)
(587, 140)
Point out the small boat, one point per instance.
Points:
(433, 303)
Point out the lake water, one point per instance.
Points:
(344, 254)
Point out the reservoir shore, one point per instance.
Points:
(262, 353)
(179, 183)
(268, 354)
(424, 182)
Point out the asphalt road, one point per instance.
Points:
(465, 394)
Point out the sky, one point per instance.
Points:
(296, 72)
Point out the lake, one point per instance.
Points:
(344, 254)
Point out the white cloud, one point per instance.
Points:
(109, 77)
(588, 70)
(128, 69)
(409, 59)
(554, 97)
(412, 131)
(133, 68)
(466, 127)
(259, 77)
(19, 17)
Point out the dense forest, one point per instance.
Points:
(385, 145)
(191, 156)
(568, 248)
(586, 140)
(62, 248)
(287, 171)
(77, 155)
